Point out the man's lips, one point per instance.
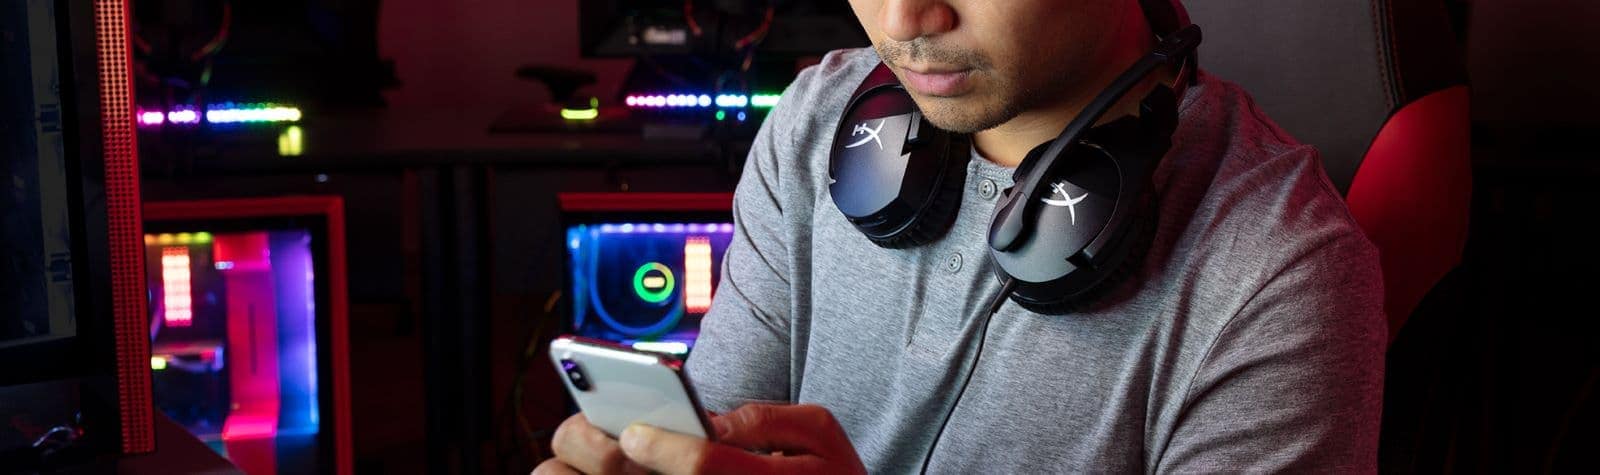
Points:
(938, 81)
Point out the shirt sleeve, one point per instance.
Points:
(1294, 381)
(743, 351)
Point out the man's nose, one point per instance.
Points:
(906, 20)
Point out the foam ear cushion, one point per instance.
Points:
(1142, 236)
(936, 217)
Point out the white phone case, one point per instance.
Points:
(626, 386)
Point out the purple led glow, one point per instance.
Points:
(151, 118)
(674, 228)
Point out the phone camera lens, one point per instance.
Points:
(575, 374)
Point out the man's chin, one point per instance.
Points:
(959, 121)
(963, 114)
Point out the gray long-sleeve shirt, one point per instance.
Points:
(1250, 338)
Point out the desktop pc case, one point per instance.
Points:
(249, 328)
(643, 267)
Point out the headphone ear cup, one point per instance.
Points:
(1142, 235)
(938, 216)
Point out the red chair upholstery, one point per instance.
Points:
(1379, 87)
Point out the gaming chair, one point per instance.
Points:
(1379, 87)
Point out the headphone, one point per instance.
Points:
(1080, 213)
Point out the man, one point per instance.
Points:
(1250, 337)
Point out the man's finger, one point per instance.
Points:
(587, 449)
(793, 429)
(662, 451)
(672, 453)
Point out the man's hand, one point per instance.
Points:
(759, 438)
(755, 438)
(580, 447)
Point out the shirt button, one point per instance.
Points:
(952, 264)
(987, 188)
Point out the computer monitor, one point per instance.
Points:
(643, 267)
(72, 333)
(249, 328)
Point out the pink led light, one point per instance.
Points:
(151, 118)
(250, 425)
(697, 274)
(175, 286)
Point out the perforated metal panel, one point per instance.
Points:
(122, 211)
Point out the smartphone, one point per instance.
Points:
(616, 386)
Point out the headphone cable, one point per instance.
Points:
(995, 302)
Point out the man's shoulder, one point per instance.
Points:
(811, 104)
(835, 76)
(799, 129)
(1262, 185)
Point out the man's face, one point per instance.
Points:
(974, 64)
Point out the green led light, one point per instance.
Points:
(202, 238)
(291, 143)
(594, 102)
(158, 363)
(662, 290)
(185, 238)
(764, 101)
(722, 115)
(579, 114)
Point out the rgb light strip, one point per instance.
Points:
(175, 286)
(629, 228)
(226, 113)
(700, 101)
(697, 274)
(180, 238)
(672, 347)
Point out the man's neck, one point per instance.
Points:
(1008, 143)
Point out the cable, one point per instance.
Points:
(995, 302)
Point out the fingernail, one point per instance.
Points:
(631, 436)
